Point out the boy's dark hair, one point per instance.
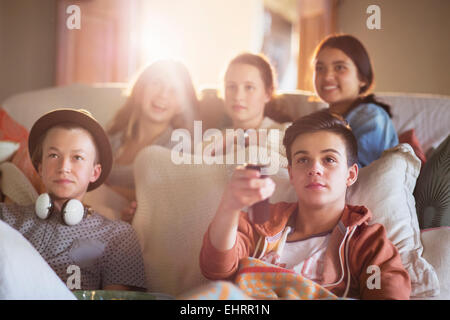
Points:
(323, 120)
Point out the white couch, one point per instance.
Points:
(172, 262)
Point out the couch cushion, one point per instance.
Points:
(102, 100)
(175, 205)
(437, 251)
(386, 188)
(410, 138)
(15, 185)
(427, 114)
(295, 104)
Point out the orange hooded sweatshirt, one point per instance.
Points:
(353, 249)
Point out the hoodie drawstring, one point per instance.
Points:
(340, 259)
(347, 263)
(282, 242)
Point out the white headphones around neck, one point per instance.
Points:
(72, 210)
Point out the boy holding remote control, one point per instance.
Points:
(319, 237)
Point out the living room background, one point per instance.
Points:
(410, 51)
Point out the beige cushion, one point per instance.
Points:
(102, 100)
(386, 187)
(437, 251)
(106, 202)
(175, 206)
(298, 103)
(15, 185)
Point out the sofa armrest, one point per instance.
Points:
(436, 251)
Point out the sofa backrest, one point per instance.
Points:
(428, 114)
(102, 100)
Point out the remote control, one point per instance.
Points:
(260, 211)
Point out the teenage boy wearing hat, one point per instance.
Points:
(72, 154)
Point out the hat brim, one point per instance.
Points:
(80, 118)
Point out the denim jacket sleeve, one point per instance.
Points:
(374, 132)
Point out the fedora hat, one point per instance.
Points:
(83, 119)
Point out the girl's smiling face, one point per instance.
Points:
(160, 99)
(336, 78)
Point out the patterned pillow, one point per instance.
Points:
(432, 190)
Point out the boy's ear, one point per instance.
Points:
(352, 174)
(289, 167)
(96, 172)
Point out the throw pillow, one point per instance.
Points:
(16, 186)
(410, 138)
(7, 149)
(10, 129)
(175, 205)
(386, 188)
(22, 160)
(432, 190)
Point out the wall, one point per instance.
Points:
(411, 52)
(203, 34)
(27, 45)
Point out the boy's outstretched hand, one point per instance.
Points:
(244, 189)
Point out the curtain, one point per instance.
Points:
(101, 47)
(317, 19)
